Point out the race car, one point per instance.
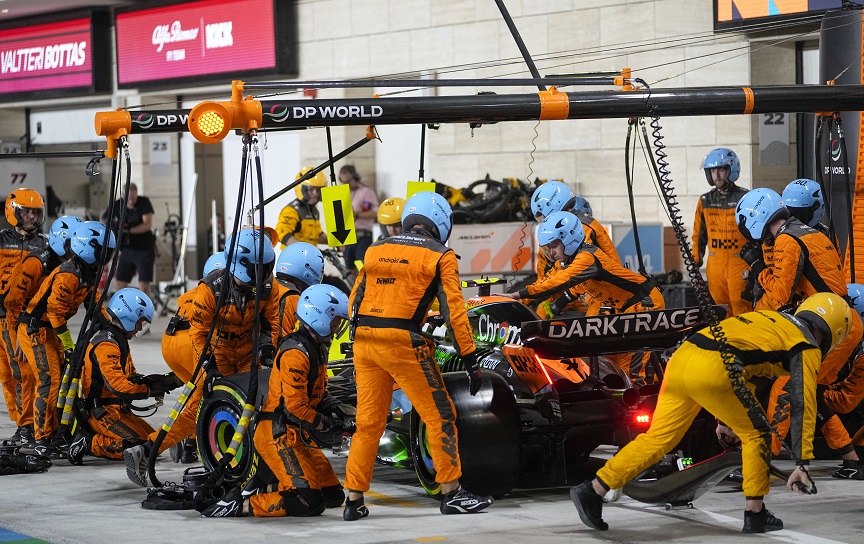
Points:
(548, 397)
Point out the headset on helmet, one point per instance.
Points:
(300, 262)
(214, 262)
(390, 211)
(830, 315)
(302, 190)
(246, 255)
(722, 157)
(61, 233)
(550, 197)
(324, 309)
(87, 240)
(430, 210)
(756, 210)
(582, 205)
(130, 307)
(562, 226)
(856, 298)
(803, 198)
(20, 199)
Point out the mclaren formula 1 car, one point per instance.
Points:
(548, 398)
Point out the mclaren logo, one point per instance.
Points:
(476, 236)
(621, 324)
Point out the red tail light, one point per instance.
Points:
(543, 368)
(642, 418)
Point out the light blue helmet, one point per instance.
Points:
(321, 307)
(430, 210)
(246, 255)
(87, 242)
(803, 198)
(562, 226)
(129, 306)
(582, 205)
(756, 210)
(214, 262)
(61, 232)
(856, 298)
(300, 262)
(550, 197)
(722, 157)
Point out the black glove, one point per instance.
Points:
(473, 369)
(67, 356)
(266, 355)
(213, 375)
(561, 302)
(159, 384)
(751, 254)
(331, 424)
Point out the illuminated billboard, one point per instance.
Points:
(731, 14)
(205, 41)
(55, 58)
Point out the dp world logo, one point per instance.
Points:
(143, 120)
(836, 150)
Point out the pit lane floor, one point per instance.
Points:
(97, 504)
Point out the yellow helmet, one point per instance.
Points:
(390, 211)
(830, 315)
(24, 199)
(317, 181)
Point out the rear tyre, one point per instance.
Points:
(488, 427)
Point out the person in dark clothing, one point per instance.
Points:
(137, 242)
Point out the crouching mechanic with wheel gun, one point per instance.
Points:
(762, 343)
(292, 411)
(110, 383)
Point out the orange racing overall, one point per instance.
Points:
(393, 293)
(107, 388)
(16, 379)
(715, 228)
(56, 301)
(297, 384)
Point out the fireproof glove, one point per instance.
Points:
(266, 355)
(66, 339)
(473, 369)
(751, 254)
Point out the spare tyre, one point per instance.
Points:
(218, 415)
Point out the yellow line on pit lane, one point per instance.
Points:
(387, 500)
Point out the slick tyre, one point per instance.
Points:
(218, 415)
(488, 427)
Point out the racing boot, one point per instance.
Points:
(82, 441)
(135, 459)
(589, 505)
(231, 505)
(849, 470)
(16, 438)
(460, 501)
(761, 522)
(28, 440)
(190, 451)
(355, 510)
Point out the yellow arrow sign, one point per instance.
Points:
(338, 215)
(415, 187)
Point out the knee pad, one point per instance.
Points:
(303, 502)
(334, 496)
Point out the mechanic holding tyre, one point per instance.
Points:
(292, 413)
(231, 347)
(762, 343)
(389, 302)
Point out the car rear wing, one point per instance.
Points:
(613, 333)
